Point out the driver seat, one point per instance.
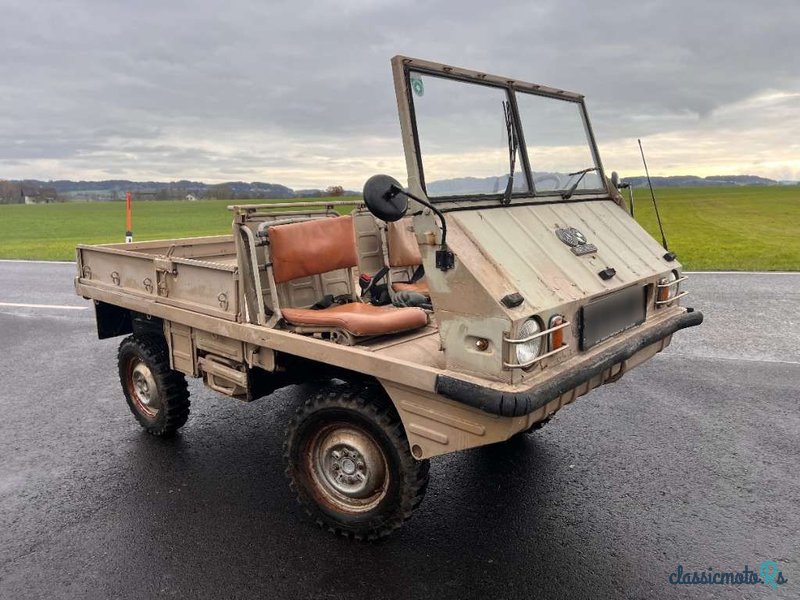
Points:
(403, 253)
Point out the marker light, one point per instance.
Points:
(666, 289)
(557, 337)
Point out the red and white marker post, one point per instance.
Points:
(128, 225)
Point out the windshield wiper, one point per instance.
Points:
(513, 146)
(568, 194)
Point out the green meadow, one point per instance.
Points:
(714, 228)
(51, 231)
(748, 228)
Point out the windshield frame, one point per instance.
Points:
(403, 67)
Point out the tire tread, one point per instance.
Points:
(370, 401)
(172, 384)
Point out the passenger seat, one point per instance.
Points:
(315, 247)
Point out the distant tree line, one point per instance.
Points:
(16, 192)
(10, 192)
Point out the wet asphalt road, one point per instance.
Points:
(691, 459)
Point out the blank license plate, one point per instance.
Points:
(607, 316)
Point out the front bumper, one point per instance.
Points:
(518, 403)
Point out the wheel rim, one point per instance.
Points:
(143, 388)
(347, 467)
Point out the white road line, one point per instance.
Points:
(40, 262)
(53, 306)
(734, 358)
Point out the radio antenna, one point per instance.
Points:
(655, 205)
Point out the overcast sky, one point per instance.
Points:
(300, 93)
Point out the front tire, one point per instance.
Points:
(157, 396)
(348, 460)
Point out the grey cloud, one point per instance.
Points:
(153, 87)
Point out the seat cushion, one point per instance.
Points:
(420, 287)
(359, 319)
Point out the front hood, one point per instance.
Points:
(530, 258)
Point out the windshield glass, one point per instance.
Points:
(557, 144)
(463, 138)
(465, 147)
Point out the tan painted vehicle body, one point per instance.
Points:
(454, 382)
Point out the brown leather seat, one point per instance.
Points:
(298, 250)
(420, 287)
(307, 248)
(404, 252)
(359, 319)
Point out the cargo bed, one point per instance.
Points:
(198, 274)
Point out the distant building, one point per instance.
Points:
(191, 197)
(38, 195)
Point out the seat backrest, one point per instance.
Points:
(253, 221)
(369, 242)
(315, 247)
(402, 244)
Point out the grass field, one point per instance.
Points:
(51, 231)
(719, 228)
(727, 228)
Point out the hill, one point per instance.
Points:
(464, 185)
(695, 181)
(36, 191)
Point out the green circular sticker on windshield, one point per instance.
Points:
(417, 86)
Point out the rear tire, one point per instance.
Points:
(157, 396)
(348, 460)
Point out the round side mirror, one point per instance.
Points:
(384, 198)
(615, 179)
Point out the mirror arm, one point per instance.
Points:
(394, 190)
(445, 259)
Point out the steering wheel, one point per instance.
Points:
(547, 182)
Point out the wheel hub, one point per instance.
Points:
(348, 467)
(144, 389)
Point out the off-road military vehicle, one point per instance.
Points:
(513, 282)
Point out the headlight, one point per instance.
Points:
(527, 351)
